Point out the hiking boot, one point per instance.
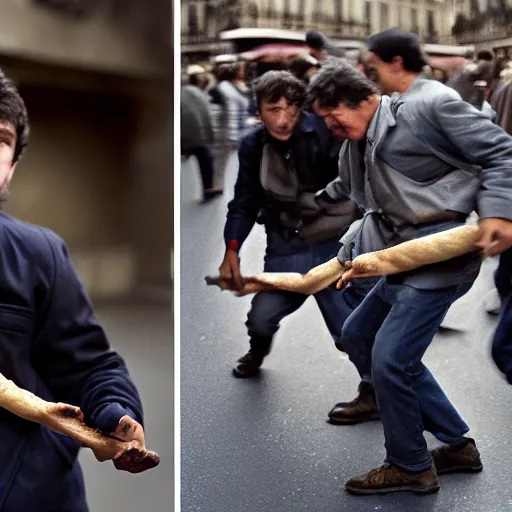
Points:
(457, 459)
(249, 364)
(362, 408)
(389, 478)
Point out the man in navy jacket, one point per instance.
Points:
(52, 346)
(282, 164)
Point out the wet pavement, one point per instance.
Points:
(143, 337)
(264, 444)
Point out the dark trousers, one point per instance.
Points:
(502, 340)
(205, 160)
(269, 308)
(386, 338)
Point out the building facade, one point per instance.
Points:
(202, 20)
(430, 19)
(485, 23)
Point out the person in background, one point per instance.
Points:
(304, 67)
(502, 339)
(231, 115)
(282, 164)
(197, 129)
(474, 81)
(394, 60)
(440, 75)
(316, 43)
(321, 48)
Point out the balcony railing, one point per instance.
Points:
(484, 34)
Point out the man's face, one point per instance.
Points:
(345, 122)
(319, 54)
(7, 147)
(279, 118)
(384, 74)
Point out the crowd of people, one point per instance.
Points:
(379, 152)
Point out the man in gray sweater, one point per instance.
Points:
(418, 164)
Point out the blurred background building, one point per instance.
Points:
(485, 23)
(203, 20)
(96, 77)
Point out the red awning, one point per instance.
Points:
(273, 52)
(449, 63)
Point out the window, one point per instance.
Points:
(193, 24)
(384, 16)
(338, 10)
(431, 24)
(302, 8)
(368, 12)
(414, 20)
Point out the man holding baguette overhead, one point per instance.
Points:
(418, 164)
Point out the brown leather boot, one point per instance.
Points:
(457, 459)
(249, 364)
(362, 408)
(389, 478)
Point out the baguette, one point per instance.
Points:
(406, 256)
(67, 419)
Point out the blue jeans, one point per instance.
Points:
(386, 337)
(269, 308)
(502, 341)
(503, 276)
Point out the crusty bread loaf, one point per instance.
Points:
(416, 253)
(406, 256)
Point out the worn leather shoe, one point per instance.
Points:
(249, 364)
(362, 408)
(389, 478)
(457, 459)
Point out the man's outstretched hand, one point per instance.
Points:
(495, 236)
(133, 458)
(229, 271)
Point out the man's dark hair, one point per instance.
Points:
(300, 66)
(197, 80)
(274, 85)
(315, 40)
(395, 42)
(225, 72)
(13, 111)
(340, 82)
(485, 55)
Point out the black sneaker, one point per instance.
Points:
(249, 364)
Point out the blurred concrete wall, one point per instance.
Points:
(98, 169)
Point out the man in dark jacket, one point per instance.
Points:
(282, 164)
(52, 346)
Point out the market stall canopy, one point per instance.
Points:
(275, 52)
(449, 63)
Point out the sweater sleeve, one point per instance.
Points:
(73, 355)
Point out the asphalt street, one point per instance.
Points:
(264, 444)
(142, 334)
